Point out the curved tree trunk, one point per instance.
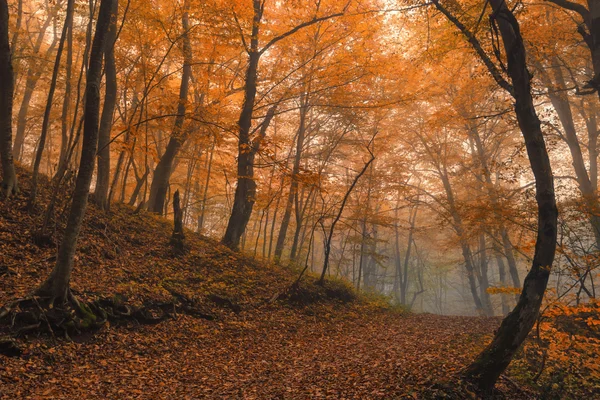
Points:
(9, 177)
(56, 285)
(110, 98)
(488, 366)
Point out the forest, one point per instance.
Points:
(293, 199)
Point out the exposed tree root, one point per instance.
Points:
(43, 316)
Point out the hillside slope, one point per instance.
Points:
(246, 344)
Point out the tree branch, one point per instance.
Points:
(569, 5)
(297, 28)
(496, 74)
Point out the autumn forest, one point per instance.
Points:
(299, 199)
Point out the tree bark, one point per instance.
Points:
(106, 120)
(9, 177)
(56, 285)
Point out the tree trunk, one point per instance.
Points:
(560, 102)
(294, 179)
(46, 121)
(501, 275)
(177, 238)
(33, 75)
(327, 247)
(484, 282)
(514, 329)
(245, 190)
(9, 177)
(162, 172)
(106, 120)
(202, 215)
(56, 285)
(64, 137)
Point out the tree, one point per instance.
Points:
(513, 331)
(9, 177)
(56, 286)
(245, 191)
(106, 120)
(162, 172)
(46, 122)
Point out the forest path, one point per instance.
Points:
(275, 353)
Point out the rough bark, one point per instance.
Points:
(106, 120)
(9, 177)
(56, 285)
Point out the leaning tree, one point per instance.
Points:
(493, 360)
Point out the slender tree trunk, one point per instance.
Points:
(484, 282)
(106, 120)
(409, 242)
(329, 237)
(494, 199)
(56, 285)
(33, 75)
(502, 276)
(301, 228)
(294, 180)
(560, 102)
(64, 132)
(9, 177)
(206, 184)
(46, 121)
(163, 170)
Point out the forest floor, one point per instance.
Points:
(325, 343)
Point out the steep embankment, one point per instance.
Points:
(245, 343)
